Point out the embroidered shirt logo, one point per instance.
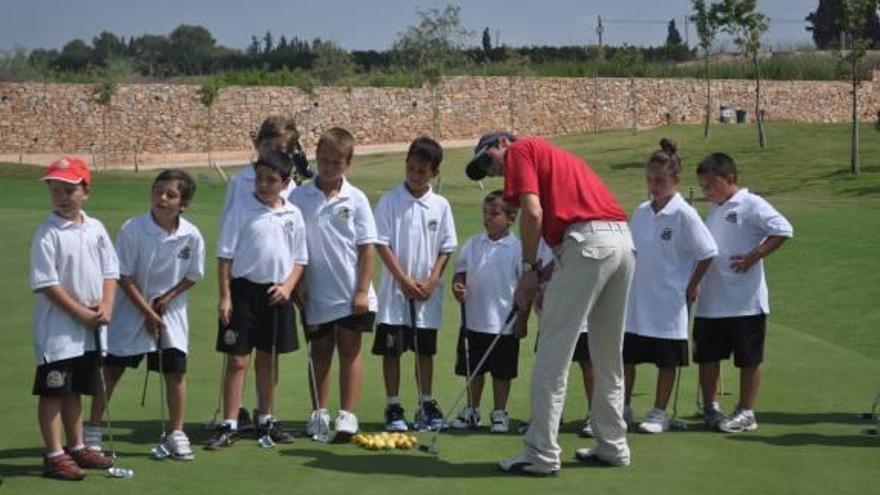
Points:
(731, 216)
(101, 243)
(343, 213)
(433, 224)
(185, 253)
(55, 379)
(666, 234)
(288, 225)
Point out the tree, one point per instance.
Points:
(487, 41)
(828, 22)
(107, 46)
(739, 19)
(192, 49)
(152, 54)
(75, 56)
(254, 48)
(854, 19)
(673, 37)
(332, 62)
(268, 44)
(707, 28)
(436, 40)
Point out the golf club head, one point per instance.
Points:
(266, 442)
(209, 425)
(338, 438)
(118, 472)
(872, 431)
(867, 416)
(159, 451)
(676, 424)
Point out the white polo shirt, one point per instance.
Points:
(738, 226)
(263, 244)
(156, 261)
(668, 245)
(241, 186)
(417, 230)
(78, 257)
(334, 230)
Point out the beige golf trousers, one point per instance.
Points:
(590, 284)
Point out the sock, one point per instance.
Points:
(747, 412)
(427, 398)
(76, 447)
(263, 419)
(232, 423)
(394, 400)
(54, 454)
(180, 431)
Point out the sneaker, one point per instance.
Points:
(178, 446)
(89, 459)
(500, 421)
(712, 416)
(275, 431)
(739, 422)
(245, 423)
(429, 417)
(593, 456)
(521, 465)
(62, 467)
(656, 421)
(394, 418)
(629, 416)
(224, 436)
(346, 423)
(319, 422)
(586, 430)
(92, 437)
(468, 418)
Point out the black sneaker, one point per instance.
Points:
(394, 418)
(275, 431)
(429, 417)
(224, 436)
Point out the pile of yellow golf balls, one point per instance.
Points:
(385, 441)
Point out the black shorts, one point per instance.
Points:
(716, 338)
(582, 349)
(78, 375)
(394, 340)
(502, 363)
(358, 323)
(665, 353)
(173, 361)
(254, 322)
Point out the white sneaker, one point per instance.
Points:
(92, 437)
(629, 416)
(319, 422)
(468, 418)
(740, 421)
(500, 421)
(593, 455)
(178, 446)
(346, 423)
(522, 465)
(586, 430)
(656, 421)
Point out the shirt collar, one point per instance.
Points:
(345, 190)
(672, 206)
(423, 201)
(737, 197)
(506, 240)
(63, 223)
(183, 227)
(256, 204)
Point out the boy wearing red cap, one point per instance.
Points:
(73, 274)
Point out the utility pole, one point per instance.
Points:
(687, 32)
(497, 38)
(600, 30)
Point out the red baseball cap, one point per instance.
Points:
(69, 169)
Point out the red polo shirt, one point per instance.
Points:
(569, 190)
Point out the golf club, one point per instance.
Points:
(676, 423)
(323, 435)
(212, 423)
(872, 416)
(266, 441)
(421, 423)
(144, 389)
(432, 448)
(113, 472)
(160, 451)
(467, 362)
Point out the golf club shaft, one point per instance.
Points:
(467, 350)
(96, 334)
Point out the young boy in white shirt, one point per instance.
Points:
(161, 256)
(416, 237)
(73, 275)
(261, 255)
(731, 312)
(337, 291)
(673, 251)
(486, 273)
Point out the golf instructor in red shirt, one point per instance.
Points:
(564, 201)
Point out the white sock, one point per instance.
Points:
(262, 419)
(54, 454)
(76, 447)
(232, 423)
(747, 412)
(394, 400)
(427, 398)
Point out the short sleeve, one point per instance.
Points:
(228, 238)
(301, 253)
(448, 239)
(43, 271)
(107, 254)
(126, 250)
(384, 225)
(196, 270)
(520, 174)
(463, 254)
(364, 223)
(769, 221)
(699, 241)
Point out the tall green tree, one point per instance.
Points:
(673, 37)
(437, 39)
(76, 55)
(192, 49)
(829, 21)
(486, 41)
(854, 19)
(152, 53)
(741, 20)
(706, 21)
(331, 63)
(107, 46)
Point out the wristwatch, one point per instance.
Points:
(528, 266)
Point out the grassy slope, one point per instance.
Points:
(822, 350)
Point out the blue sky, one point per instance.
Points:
(367, 24)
